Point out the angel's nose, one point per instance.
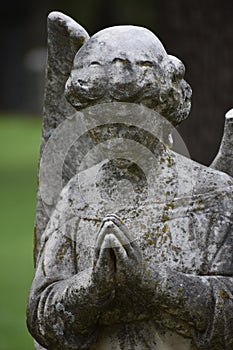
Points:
(82, 83)
(88, 83)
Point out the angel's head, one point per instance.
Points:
(129, 64)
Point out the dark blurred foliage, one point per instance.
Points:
(199, 32)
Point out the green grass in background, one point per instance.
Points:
(19, 151)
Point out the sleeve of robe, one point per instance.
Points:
(62, 311)
(201, 306)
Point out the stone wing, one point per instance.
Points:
(224, 159)
(65, 37)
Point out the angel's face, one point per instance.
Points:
(124, 63)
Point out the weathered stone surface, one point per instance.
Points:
(137, 253)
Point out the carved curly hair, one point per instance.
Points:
(129, 64)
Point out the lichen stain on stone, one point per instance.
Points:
(63, 249)
(200, 204)
(223, 294)
(164, 218)
(170, 162)
(82, 39)
(95, 220)
(169, 206)
(176, 249)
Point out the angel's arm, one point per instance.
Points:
(200, 307)
(65, 305)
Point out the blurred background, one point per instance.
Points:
(199, 32)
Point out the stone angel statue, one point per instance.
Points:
(156, 273)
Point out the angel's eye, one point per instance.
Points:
(121, 60)
(95, 63)
(145, 64)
